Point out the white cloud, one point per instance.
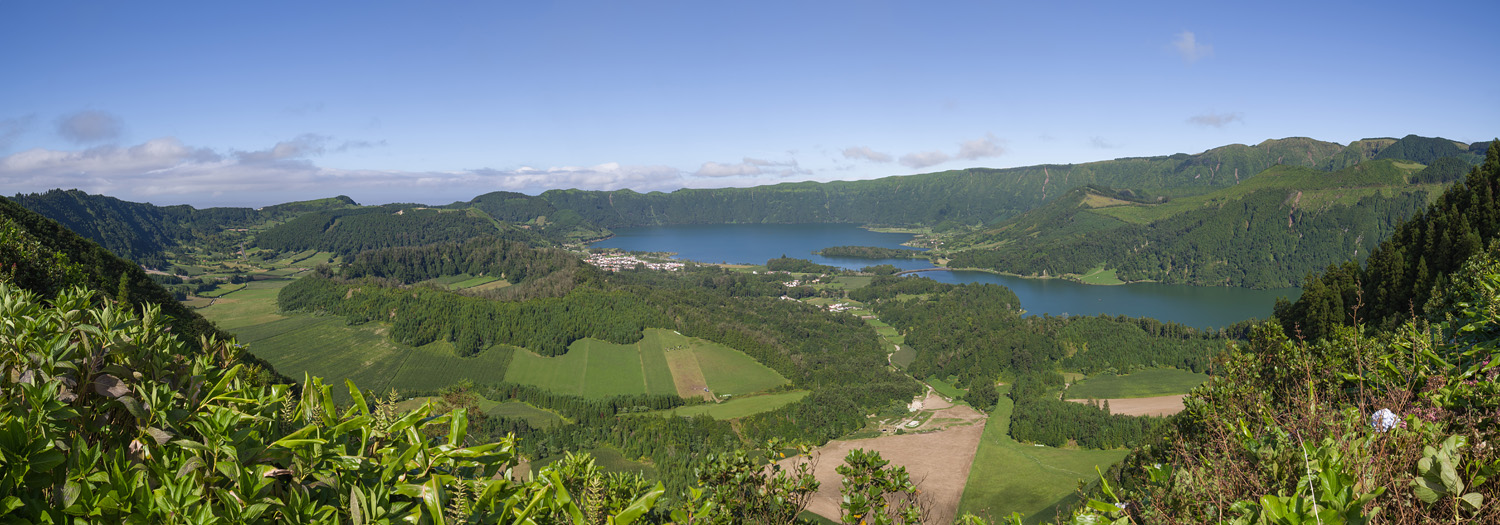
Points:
(1217, 120)
(165, 168)
(923, 159)
(714, 169)
(1188, 47)
(305, 145)
(1100, 143)
(989, 146)
(89, 126)
(864, 152)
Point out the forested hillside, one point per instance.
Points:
(976, 195)
(135, 231)
(1267, 232)
(1401, 276)
(1377, 403)
(535, 212)
(347, 232)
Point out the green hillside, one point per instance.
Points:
(535, 213)
(966, 196)
(1404, 275)
(1298, 219)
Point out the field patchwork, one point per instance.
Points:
(663, 362)
(1007, 476)
(1144, 383)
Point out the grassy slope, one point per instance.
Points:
(1145, 383)
(1008, 476)
(738, 407)
(595, 368)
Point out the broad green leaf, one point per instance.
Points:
(432, 497)
(220, 387)
(358, 398)
(1474, 499)
(1427, 490)
(640, 506)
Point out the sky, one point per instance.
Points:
(258, 103)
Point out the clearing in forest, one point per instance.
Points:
(938, 460)
(1008, 476)
(662, 362)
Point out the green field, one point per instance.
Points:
(327, 347)
(1145, 383)
(738, 407)
(946, 389)
(1099, 275)
(594, 368)
(255, 304)
(536, 417)
(1008, 476)
(904, 357)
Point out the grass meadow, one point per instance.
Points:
(1145, 383)
(594, 368)
(1015, 477)
(738, 407)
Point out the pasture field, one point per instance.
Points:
(255, 304)
(1015, 477)
(326, 347)
(222, 289)
(1099, 275)
(1151, 382)
(472, 282)
(492, 285)
(534, 416)
(853, 282)
(904, 357)
(595, 368)
(738, 407)
(946, 389)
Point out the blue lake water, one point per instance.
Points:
(1200, 306)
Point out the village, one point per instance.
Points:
(617, 262)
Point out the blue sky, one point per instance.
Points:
(255, 103)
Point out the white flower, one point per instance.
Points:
(1384, 420)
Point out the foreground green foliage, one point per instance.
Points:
(111, 418)
(1293, 431)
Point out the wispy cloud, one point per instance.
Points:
(986, 147)
(1100, 143)
(750, 167)
(89, 126)
(165, 168)
(1217, 120)
(12, 129)
(359, 144)
(865, 153)
(301, 147)
(923, 159)
(714, 169)
(1190, 49)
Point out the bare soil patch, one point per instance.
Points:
(937, 455)
(1142, 406)
(687, 376)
